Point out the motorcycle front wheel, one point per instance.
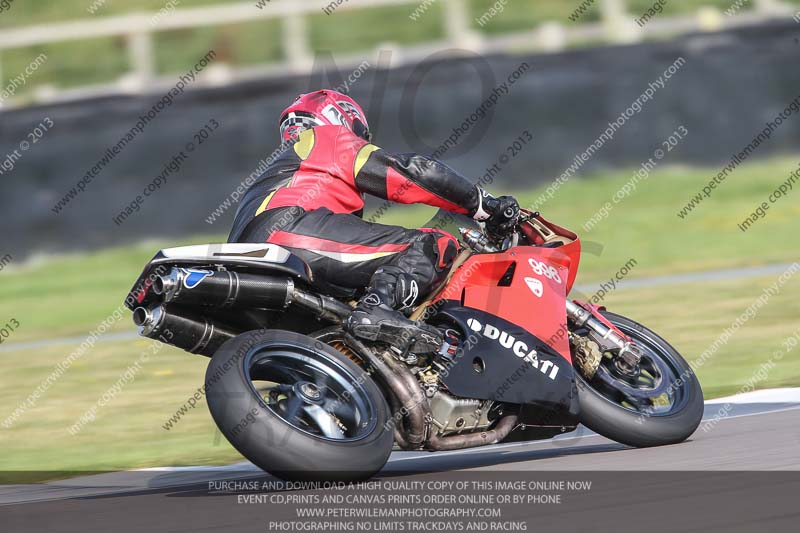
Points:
(660, 403)
(297, 408)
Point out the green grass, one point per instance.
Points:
(644, 227)
(128, 434)
(74, 301)
(258, 42)
(693, 316)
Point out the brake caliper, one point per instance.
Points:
(587, 355)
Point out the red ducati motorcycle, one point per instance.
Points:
(518, 360)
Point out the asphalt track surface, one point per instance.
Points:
(741, 474)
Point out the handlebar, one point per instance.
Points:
(512, 237)
(483, 240)
(491, 203)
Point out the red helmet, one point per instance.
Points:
(322, 108)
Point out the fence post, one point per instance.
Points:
(457, 25)
(140, 54)
(551, 36)
(618, 25)
(296, 47)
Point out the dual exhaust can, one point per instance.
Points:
(187, 294)
(224, 289)
(193, 334)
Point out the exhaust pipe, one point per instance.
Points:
(411, 434)
(226, 289)
(223, 289)
(325, 307)
(421, 413)
(470, 440)
(195, 335)
(409, 399)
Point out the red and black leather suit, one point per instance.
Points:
(310, 200)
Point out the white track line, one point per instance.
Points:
(744, 415)
(694, 277)
(785, 395)
(242, 469)
(737, 399)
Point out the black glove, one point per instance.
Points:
(503, 214)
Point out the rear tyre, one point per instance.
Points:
(298, 408)
(664, 407)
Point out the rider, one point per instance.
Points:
(311, 198)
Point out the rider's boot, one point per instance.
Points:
(378, 316)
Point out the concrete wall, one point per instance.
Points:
(730, 85)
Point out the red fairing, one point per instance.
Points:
(571, 251)
(536, 298)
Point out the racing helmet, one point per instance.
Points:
(321, 108)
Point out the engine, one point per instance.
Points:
(450, 415)
(453, 415)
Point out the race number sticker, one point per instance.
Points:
(548, 271)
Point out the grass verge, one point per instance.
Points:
(71, 295)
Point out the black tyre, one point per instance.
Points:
(662, 405)
(297, 408)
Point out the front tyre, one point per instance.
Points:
(662, 404)
(298, 408)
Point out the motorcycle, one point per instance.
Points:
(302, 399)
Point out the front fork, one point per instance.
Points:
(606, 335)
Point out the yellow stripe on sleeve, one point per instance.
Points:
(363, 156)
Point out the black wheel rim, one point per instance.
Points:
(311, 391)
(657, 388)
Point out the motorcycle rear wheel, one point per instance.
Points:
(631, 410)
(298, 408)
